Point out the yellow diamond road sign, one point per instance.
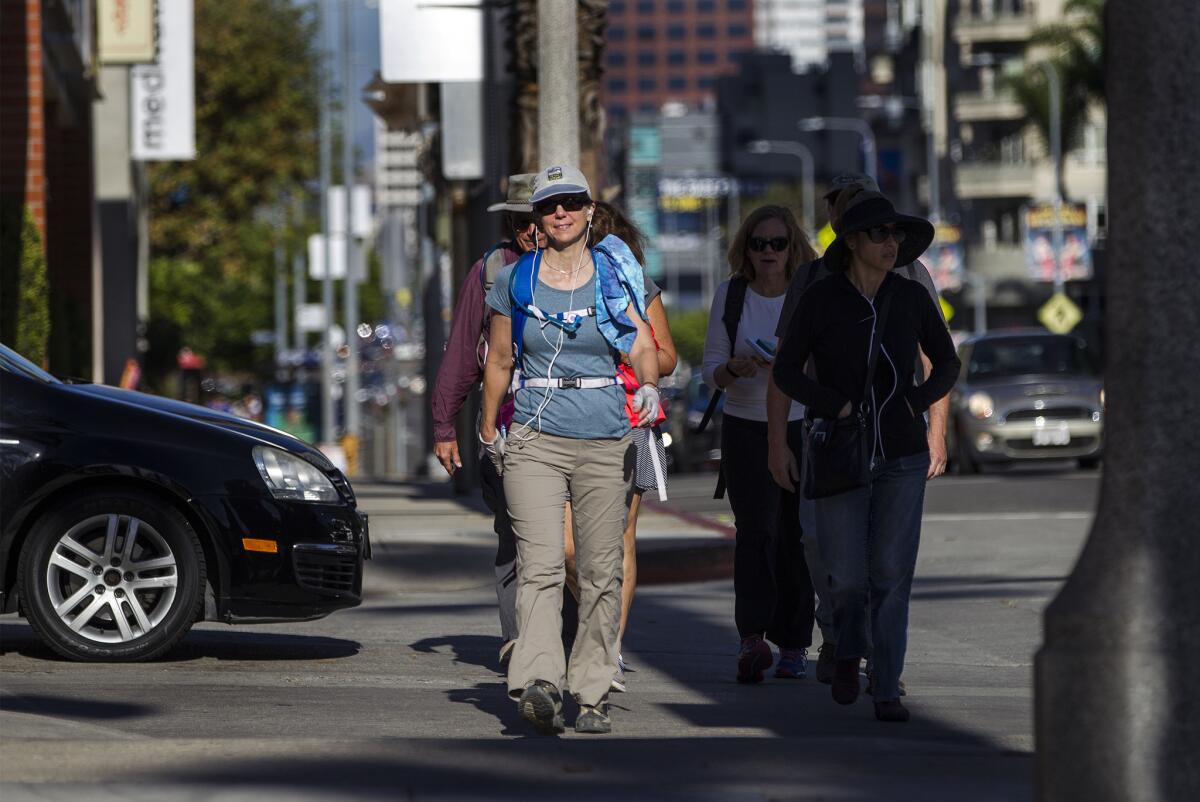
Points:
(1060, 314)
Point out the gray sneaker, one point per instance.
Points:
(593, 720)
(541, 705)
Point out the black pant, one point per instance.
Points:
(772, 590)
(492, 486)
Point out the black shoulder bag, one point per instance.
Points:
(838, 452)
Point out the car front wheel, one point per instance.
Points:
(112, 576)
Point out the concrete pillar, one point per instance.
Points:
(558, 83)
(1117, 709)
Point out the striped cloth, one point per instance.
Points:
(647, 475)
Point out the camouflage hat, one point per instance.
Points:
(520, 188)
(843, 180)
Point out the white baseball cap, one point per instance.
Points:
(559, 180)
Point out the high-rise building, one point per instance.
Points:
(660, 51)
(809, 30)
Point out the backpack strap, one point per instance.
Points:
(521, 282)
(493, 260)
(735, 299)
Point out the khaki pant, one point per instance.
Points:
(539, 474)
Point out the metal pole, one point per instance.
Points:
(933, 176)
(853, 124)
(299, 285)
(350, 294)
(558, 83)
(327, 411)
(281, 304)
(807, 170)
(1056, 157)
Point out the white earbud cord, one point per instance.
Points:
(557, 346)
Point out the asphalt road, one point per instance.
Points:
(401, 698)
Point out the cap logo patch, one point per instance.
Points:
(554, 174)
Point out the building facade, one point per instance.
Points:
(47, 66)
(671, 51)
(809, 30)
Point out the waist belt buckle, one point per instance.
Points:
(570, 383)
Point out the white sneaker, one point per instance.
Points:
(618, 680)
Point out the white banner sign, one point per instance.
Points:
(163, 93)
(431, 41)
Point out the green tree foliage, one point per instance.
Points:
(24, 289)
(1076, 48)
(212, 235)
(688, 330)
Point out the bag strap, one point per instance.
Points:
(876, 343)
(735, 299)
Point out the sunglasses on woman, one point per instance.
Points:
(760, 244)
(879, 234)
(571, 203)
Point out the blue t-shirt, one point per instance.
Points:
(597, 414)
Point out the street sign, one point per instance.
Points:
(162, 97)
(431, 42)
(310, 317)
(1060, 314)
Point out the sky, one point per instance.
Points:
(365, 33)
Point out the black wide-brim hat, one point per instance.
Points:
(871, 209)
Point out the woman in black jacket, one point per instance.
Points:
(874, 530)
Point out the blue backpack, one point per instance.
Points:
(521, 282)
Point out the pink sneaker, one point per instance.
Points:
(754, 658)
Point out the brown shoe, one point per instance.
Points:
(845, 680)
(891, 710)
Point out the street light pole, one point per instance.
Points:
(852, 124)
(327, 411)
(1055, 87)
(350, 295)
(801, 152)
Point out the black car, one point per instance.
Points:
(125, 518)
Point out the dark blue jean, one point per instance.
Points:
(869, 539)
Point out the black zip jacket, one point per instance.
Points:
(833, 324)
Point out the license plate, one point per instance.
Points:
(1056, 436)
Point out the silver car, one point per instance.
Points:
(1025, 395)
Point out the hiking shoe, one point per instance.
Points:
(826, 657)
(618, 680)
(793, 664)
(871, 685)
(891, 710)
(593, 719)
(506, 654)
(754, 658)
(845, 680)
(541, 705)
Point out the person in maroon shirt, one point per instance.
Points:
(461, 371)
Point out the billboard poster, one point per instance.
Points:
(162, 96)
(945, 258)
(1039, 243)
(431, 42)
(125, 31)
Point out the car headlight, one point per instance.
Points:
(1102, 398)
(981, 405)
(292, 478)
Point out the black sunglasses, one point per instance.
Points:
(760, 244)
(879, 234)
(570, 203)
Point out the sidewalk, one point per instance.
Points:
(413, 521)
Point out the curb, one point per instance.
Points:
(700, 560)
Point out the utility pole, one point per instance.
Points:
(1055, 87)
(327, 410)
(350, 294)
(558, 83)
(1114, 703)
(281, 301)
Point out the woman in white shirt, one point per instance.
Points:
(772, 589)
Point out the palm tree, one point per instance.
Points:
(1076, 46)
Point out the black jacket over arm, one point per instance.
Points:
(833, 324)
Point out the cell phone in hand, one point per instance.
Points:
(763, 348)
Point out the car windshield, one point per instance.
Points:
(13, 362)
(1018, 356)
